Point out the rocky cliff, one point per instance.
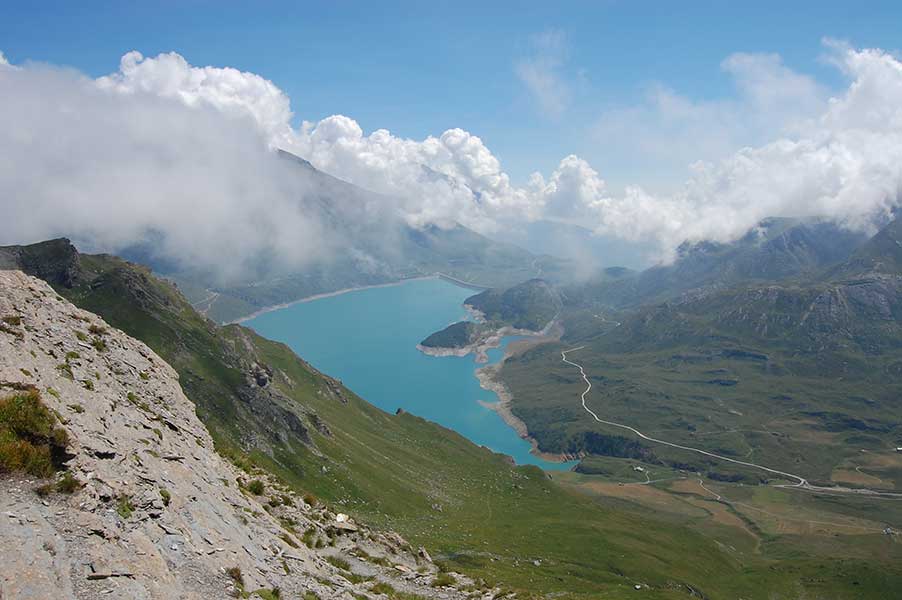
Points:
(154, 511)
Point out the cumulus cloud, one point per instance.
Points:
(233, 92)
(843, 163)
(542, 73)
(162, 146)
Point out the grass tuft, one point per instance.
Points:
(124, 507)
(30, 441)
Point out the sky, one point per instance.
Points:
(418, 68)
(651, 123)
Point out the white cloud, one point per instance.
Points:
(668, 130)
(162, 145)
(542, 73)
(111, 170)
(233, 92)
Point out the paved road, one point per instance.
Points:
(800, 482)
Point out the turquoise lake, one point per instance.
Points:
(367, 338)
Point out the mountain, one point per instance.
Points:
(373, 245)
(269, 412)
(770, 338)
(143, 507)
(775, 250)
(881, 254)
(529, 305)
(303, 434)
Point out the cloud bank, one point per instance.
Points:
(165, 146)
(111, 170)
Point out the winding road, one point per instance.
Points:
(800, 482)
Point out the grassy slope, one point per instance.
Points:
(528, 305)
(801, 375)
(803, 372)
(429, 483)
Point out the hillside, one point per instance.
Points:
(456, 335)
(819, 353)
(529, 305)
(524, 309)
(790, 370)
(471, 509)
(266, 407)
(143, 506)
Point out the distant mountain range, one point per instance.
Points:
(797, 327)
(377, 247)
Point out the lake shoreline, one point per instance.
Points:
(488, 380)
(274, 307)
(480, 347)
(266, 309)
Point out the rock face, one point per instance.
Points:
(160, 514)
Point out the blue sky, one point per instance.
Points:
(419, 68)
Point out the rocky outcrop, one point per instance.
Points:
(159, 514)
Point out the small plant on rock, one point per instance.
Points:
(124, 507)
(382, 588)
(443, 580)
(30, 441)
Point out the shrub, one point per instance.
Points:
(97, 329)
(124, 507)
(68, 484)
(235, 575)
(355, 578)
(382, 588)
(273, 594)
(72, 355)
(45, 490)
(99, 344)
(166, 496)
(309, 537)
(30, 441)
(339, 563)
(65, 370)
(82, 337)
(13, 320)
(443, 579)
(256, 487)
